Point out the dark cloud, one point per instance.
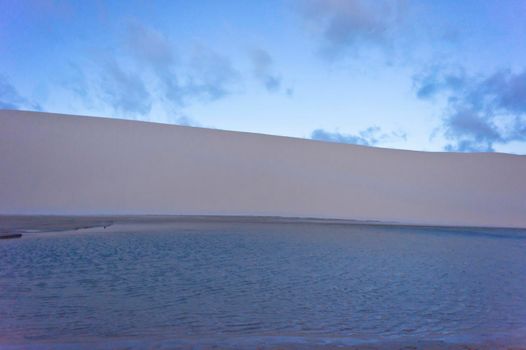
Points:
(345, 25)
(507, 91)
(262, 70)
(436, 79)
(368, 137)
(481, 111)
(11, 99)
(472, 132)
(125, 91)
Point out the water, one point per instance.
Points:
(263, 281)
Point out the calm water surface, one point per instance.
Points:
(360, 283)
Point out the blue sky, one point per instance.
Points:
(421, 75)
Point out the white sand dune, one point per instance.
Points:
(55, 164)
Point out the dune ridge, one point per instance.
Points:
(71, 165)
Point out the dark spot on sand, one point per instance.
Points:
(12, 235)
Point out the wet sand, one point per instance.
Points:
(31, 224)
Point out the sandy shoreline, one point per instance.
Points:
(37, 224)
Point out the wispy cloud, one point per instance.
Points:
(155, 51)
(150, 47)
(146, 73)
(350, 25)
(263, 70)
(204, 75)
(211, 76)
(371, 136)
(10, 98)
(125, 91)
(481, 110)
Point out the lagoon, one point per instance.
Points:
(243, 284)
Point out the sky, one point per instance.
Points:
(421, 75)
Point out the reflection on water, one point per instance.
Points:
(356, 282)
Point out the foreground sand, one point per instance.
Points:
(65, 165)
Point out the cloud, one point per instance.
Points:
(211, 76)
(349, 25)
(205, 75)
(368, 137)
(481, 110)
(146, 74)
(75, 80)
(153, 50)
(186, 121)
(11, 99)
(262, 70)
(124, 91)
(435, 79)
(150, 47)
(472, 132)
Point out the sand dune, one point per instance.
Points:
(65, 165)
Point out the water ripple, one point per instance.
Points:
(263, 280)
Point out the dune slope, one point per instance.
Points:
(70, 165)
